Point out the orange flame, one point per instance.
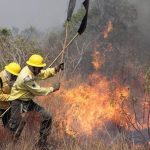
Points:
(92, 104)
(109, 28)
(98, 60)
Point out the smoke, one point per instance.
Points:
(42, 14)
(143, 10)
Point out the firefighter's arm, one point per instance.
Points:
(3, 97)
(49, 72)
(34, 88)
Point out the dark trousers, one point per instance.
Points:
(6, 116)
(18, 106)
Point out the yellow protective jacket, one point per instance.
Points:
(26, 86)
(4, 90)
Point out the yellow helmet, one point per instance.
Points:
(36, 61)
(13, 68)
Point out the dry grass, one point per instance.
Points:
(29, 138)
(74, 144)
(58, 139)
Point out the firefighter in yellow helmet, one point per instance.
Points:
(25, 89)
(7, 78)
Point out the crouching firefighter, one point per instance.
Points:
(25, 89)
(7, 79)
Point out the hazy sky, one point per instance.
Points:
(50, 14)
(42, 14)
(143, 9)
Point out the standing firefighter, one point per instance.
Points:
(25, 89)
(7, 78)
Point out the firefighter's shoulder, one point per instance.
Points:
(28, 78)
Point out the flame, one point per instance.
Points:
(109, 48)
(90, 105)
(109, 28)
(98, 60)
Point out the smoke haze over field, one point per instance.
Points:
(143, 9)
(42, 14)
(50, 14)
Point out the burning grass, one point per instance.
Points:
(27, 142)
(87, 115)
(90, 105)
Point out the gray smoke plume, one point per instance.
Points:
(143, 10)
(43, 14)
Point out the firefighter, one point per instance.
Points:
(7, 78)
(25, 89)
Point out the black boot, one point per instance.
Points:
(42, 146)
(42, 143)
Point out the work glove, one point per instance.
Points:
(59, 67)
(56, 86)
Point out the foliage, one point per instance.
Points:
(15, 48)
(5, 32)
(147, 82)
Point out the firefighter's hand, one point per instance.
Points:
(56, 86)
(59, 67)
